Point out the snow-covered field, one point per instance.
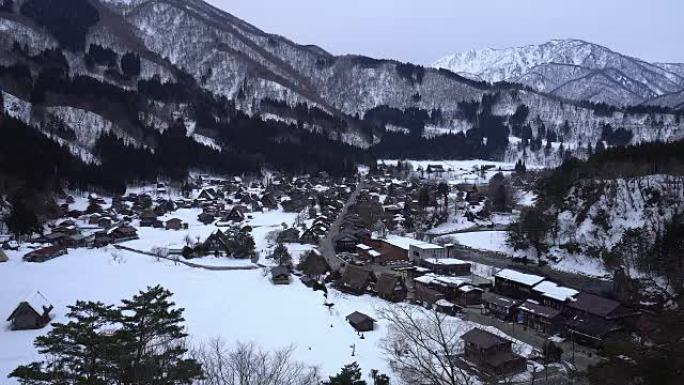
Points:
(496, 241)
(462, 171)
(233, 305)
(484, 240)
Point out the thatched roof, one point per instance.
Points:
(356, 278)
(387, 283)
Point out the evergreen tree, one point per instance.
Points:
(350, 375)
(140, 342)
(282, 256)
(153, 340)
(22, 219)
(130, 64)
(424, 197)
(78, 352)
(520, 167)
(600, 147)
(443, 189)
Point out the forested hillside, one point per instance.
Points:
(624, 206)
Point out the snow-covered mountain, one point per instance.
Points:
(192, 46)
(572, 69)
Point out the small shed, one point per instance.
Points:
(280, 275)
(33, 313)
(3, 256)
(361, 322)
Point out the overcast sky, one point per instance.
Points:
(422, 31)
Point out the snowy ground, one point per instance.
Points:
(462, 171)
(484, 240)
(496, 241)
(233, 305)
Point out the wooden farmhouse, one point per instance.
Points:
(33, 313)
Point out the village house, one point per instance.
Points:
(175, 224)
(447, 307)
(208, 194)
(148, 218)
(469, 295)
(426, 296)
(33, 313)
(593, 319)
(236, 214)
(437, 169)
(392, 248)
(499, 306)
(543, 319)
(310, 236)
(102, 239)
(205, 218)
(280, 275)
(289, 235)
(355, 280)
(391, 287)
(216, 245)
(591, 331)
(45, 254)
(360, 322)
(491, 353)
(345, 242)
(123, 233)
(463, 291)
(515, 284)
(422, 250)
(446, 266)
(550, 294)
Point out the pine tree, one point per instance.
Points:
(77, 352)
(443, 189)
(140, 342)
(282, 256)
(153, 340)
(424, 197)
(22, 219)
(350, 375)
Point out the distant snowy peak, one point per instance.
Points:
(573, 69)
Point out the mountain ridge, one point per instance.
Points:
(518, 64)
(210, 69)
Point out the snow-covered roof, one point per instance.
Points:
(445, 261)
(443, 303)
(516, 276)
(374, 253)
(443, 280)
(468, 288)
(427, 246)
(552, 290)
(401, 242)
(363, 247)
